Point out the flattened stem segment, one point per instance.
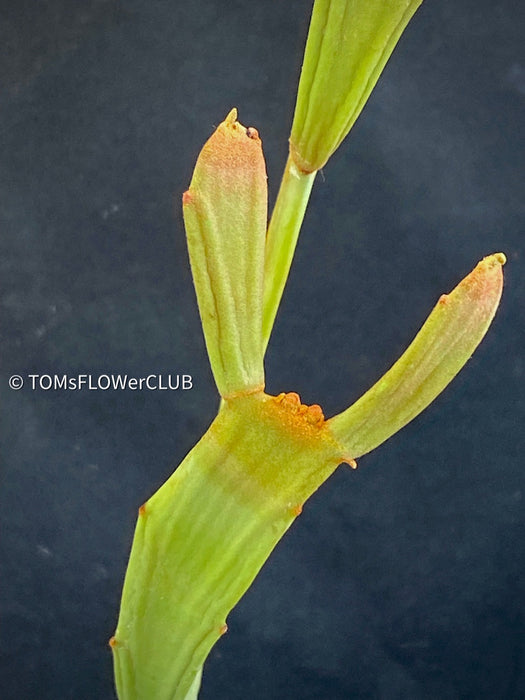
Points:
(225, 212)
(202, 538)
(444, 344)
(349, 43)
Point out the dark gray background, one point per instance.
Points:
(402, 580)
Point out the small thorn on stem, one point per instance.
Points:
(142, 510)
(223, 629)
(297, 510)
(113, 642)
(231, 117)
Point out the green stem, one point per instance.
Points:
(193, 692)
(202, 538)
(281, 239)
(441, 348)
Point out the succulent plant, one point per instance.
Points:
(201, 539)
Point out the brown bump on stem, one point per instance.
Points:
(142, 510)
(443, 299)
(113, 642)
(187, 198)
(252, 133)
(223, 629)
(315, 415)
(292, 400)
(297, 510)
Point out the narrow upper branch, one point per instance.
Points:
(443, 345)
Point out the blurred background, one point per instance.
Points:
(403, 580)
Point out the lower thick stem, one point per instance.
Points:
(202, 538)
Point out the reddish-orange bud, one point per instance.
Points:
(232, 152)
